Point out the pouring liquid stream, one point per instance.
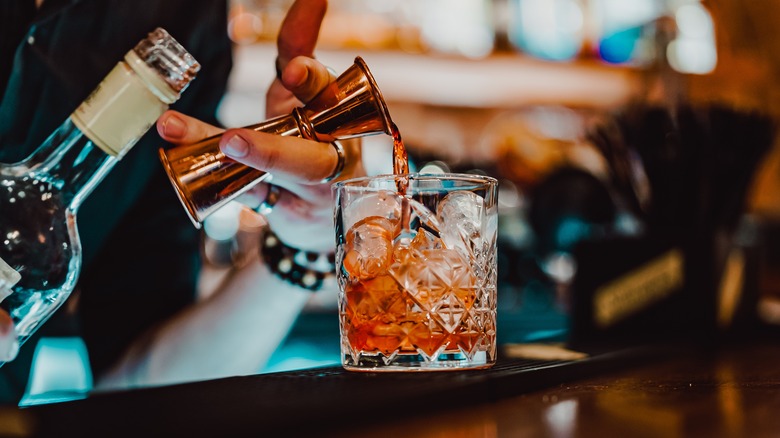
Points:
(401, 168)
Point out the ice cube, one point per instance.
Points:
(409, 249)
(386, 204)
(425, 240)
(426, 217)
(460, 215)
(368, 250)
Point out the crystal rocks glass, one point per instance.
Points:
(417, 271)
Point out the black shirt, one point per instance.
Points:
(140, 251)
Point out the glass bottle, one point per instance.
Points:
(40, 251)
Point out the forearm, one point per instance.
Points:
(233, 332)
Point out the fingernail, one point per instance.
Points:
(236, 147)
(174, 127)
(300, 80)
(296, 77)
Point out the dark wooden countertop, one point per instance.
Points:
(733, 391)
(729, 391)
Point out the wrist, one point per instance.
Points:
(305, 269)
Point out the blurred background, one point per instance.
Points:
(515, 89)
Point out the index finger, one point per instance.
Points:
(292, 158)
(299, 30)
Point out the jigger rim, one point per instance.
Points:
(387, 121)
(192, 211)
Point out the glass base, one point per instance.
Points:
(416, 362)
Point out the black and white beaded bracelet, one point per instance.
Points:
(301, 268)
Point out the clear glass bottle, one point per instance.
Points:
(40, 251)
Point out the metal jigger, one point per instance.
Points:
(205, 179)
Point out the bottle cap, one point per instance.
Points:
(162, 52)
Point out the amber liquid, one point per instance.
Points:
(384, 317)
(400, 157)
(401, 167)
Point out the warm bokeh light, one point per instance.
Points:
(694, 50)
(462, 27)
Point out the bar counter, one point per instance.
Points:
(729, 391)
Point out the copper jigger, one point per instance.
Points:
(205, 179)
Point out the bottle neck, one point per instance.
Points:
(76, 157)
(118, 112)
(123, 106)
(71, 163)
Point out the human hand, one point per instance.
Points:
(303, 214)
(9, 342)
(9, 345)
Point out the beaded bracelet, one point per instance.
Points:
(301, 268)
